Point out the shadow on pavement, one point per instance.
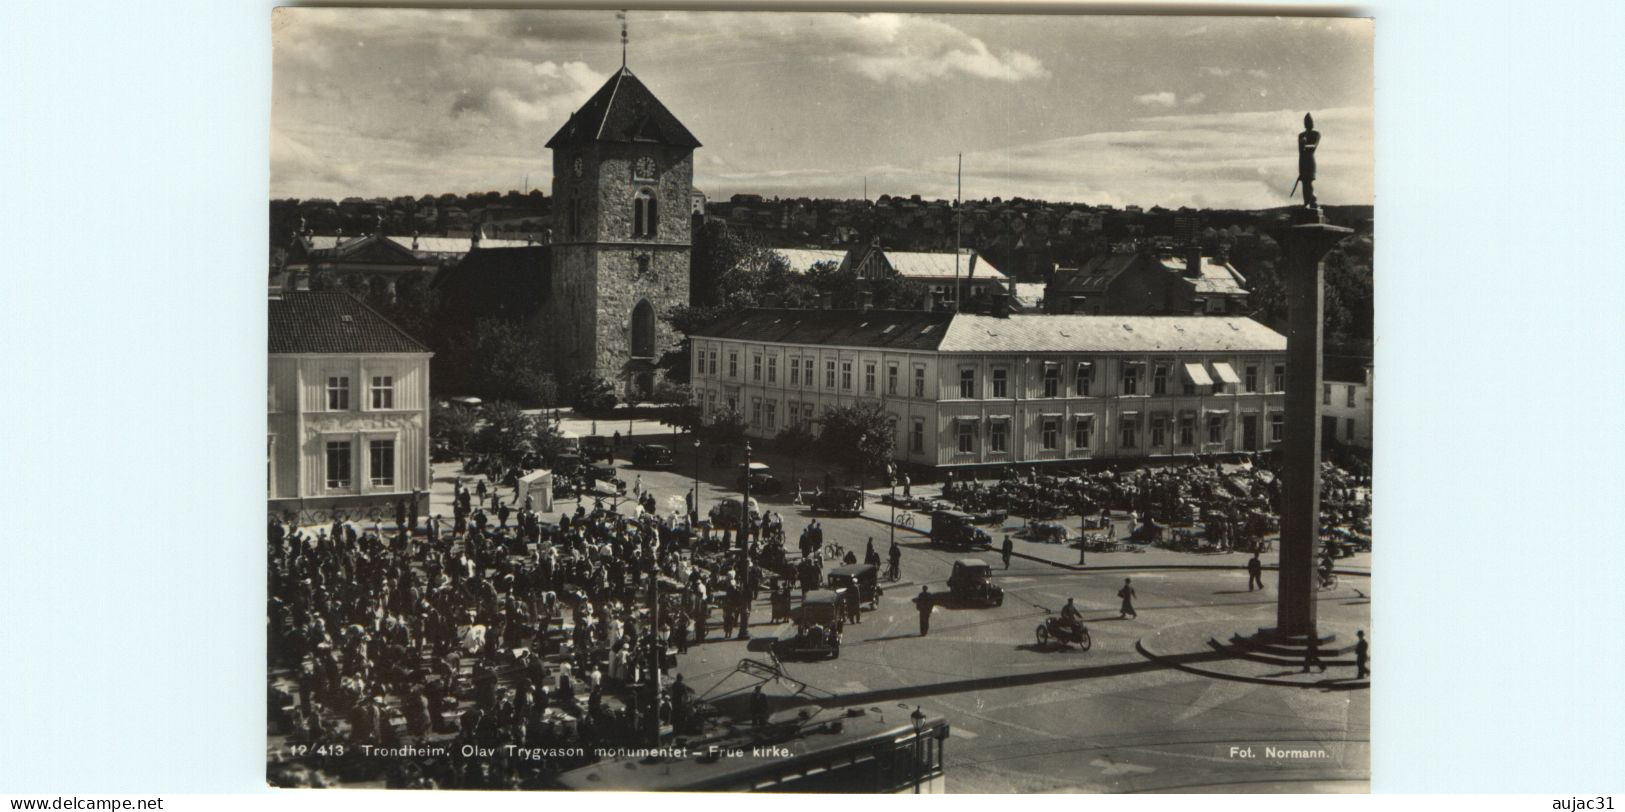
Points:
(1014, 680)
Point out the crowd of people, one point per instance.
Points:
(500, 628)
(1230, 505)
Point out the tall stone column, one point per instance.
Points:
(1304, 247)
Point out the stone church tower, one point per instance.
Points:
(623, 170)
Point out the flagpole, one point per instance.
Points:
(959, 217)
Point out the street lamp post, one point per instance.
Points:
(919, 727)
(694, 505)
(744, 507)
(891, 474)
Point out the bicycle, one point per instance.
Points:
(834, 551)
(905, 519)
(894, 572)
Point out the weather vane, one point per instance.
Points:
(621, 15)
(1308, 140)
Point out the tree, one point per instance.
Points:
(859, 438)
(508, 436)
(589, 394)
(678, 408)
(509, 362)
(795, 441)
(726, 429)
(452, 428)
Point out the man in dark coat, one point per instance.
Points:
(924, 602)
(1362, 655)
(1255, 572)
(1009, 547)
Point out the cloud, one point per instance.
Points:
(1213, 160)
(1164, 99)
(1257, 73)
(1194, 98)
(913, 49)
(1208, 70)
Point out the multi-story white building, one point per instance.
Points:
(1345, 402)
(347, 404)
(968, 389)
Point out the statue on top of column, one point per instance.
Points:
(1308, 140)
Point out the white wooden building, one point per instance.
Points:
(347, 405)
(967, 390)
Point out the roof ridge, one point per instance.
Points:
(610, 105)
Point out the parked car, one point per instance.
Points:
(596, 447)
(955, 529)
(816, 628)
(652, 456)
(727, 512)
(972, 580)
(865, 578)
(842, 501)
(761, 481)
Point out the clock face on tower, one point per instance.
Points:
(644, 169)
(578, 167)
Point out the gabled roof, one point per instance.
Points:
(1047, 333)
(623, 111)
(371, 248)
(801, 260)
(333, 322)
(940, 265)
(1216, 277)
(1096, 275)
(891, 329)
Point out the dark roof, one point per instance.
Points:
(333, 322)
(892, 329)
(507, 283)
(1096, 275)
(623, 111)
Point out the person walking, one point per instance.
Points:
(1008, 548)
(1362, 656)
(924, 602)
(758, 708)
(1255, 572)
(1127, 594)
(906, 484)
(1312, 657)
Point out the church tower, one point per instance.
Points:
(623, 170)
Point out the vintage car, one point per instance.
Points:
(727, 512)
(761, 481)
(955, 529)
(839, 501)
(652, 456)
(815, 629)
(596, 447)
(864, 578)
(972, 580)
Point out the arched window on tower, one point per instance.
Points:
(643, 330)
(643, 214)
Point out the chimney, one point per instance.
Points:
(930, 301)
(998, 303)
(1193, 260)
(414, 241)
(826, 301)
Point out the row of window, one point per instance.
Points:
(380, 469)
(1049, 436)
(839, 375)
(380, 393)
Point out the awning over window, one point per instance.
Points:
(1198, 375)
(1212, 412)
(1129, 414)
(972, 420)
(1004, 417)
(1086, 363)
(1084, 418)
(1226, 373)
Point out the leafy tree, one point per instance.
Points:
(858, 437)
(452, 428)
(726, 429)
(678, 408)
(507, 436)
(795, 441)
(509, 362)
(589, 394)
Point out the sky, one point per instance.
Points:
(1170, 111)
